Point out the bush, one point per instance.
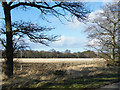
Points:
(59, 72)
(111, 63)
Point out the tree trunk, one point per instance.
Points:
(119, 35)
(113, 44)
(118, 48)
(119, 54)
(112, 54)
(113, 50)
(9, 43)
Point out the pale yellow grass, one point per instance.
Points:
(52, 60)
(41, 69)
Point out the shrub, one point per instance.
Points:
(59, 72)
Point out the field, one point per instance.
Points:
(61, 73)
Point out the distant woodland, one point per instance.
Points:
(52, 54)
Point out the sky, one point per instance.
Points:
(71, 34)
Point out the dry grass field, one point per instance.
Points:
(61, 73)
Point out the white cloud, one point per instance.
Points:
(95, 14)
(75, 25)
(16, 37)
(110, 0)
(93, 42)
(64, 42)
(68, 41)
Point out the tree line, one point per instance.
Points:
(52, 54)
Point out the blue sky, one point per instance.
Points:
(72, 35)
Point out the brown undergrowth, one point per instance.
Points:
(72, 75)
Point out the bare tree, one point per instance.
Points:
(58, 9)
(22, 30)
(104, 31)
(119, 36)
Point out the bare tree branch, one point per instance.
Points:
(32, 4)
(2, 42)
(35, 32)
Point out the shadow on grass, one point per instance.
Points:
(84, 82)
(79, 79)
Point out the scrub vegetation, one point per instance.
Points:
(79, 74)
